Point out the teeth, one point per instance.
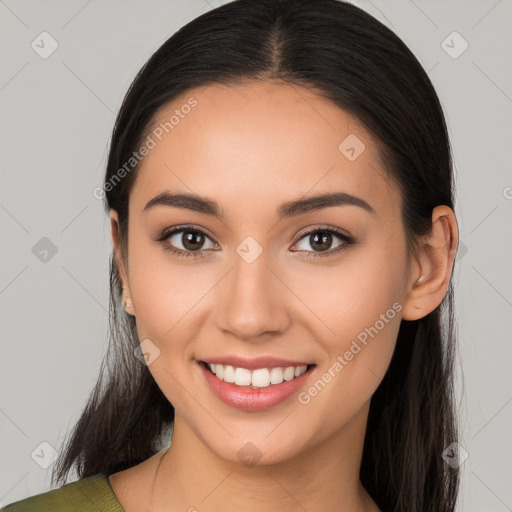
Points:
(276, 376)
(289, 373)
(229, 373)
(260, 378)
(242, 376)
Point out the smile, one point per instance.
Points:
(254, 389)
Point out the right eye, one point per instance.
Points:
(190, 239)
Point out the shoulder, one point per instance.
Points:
(90, 494)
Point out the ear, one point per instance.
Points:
(121, 268)
(430, 274)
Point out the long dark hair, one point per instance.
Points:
(345, 55)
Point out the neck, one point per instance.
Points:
(324, 476)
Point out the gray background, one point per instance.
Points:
(57, 116)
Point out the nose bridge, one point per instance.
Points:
(252, 299)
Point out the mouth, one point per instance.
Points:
(256, 389)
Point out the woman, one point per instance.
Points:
(280, 192)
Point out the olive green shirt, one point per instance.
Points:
(90, 494)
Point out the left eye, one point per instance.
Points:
(321, 240)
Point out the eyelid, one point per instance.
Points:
(322, 227)
(166, 233)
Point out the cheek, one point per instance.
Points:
(354, 293)
(360, 303)
(365, 321)
(168, 299)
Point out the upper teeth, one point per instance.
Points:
(260, 378)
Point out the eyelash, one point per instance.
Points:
(346, 239)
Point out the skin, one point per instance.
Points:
(252, 148)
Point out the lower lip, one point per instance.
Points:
(253, 399)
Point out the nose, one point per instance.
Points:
(252, 301)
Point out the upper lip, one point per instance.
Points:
(255, 362)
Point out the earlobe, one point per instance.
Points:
(431, 274)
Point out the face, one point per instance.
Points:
(319, 287)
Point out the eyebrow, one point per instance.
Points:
(289, 209)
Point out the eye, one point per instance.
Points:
(185, 241)
(320, 239)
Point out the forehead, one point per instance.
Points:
(260, 144)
